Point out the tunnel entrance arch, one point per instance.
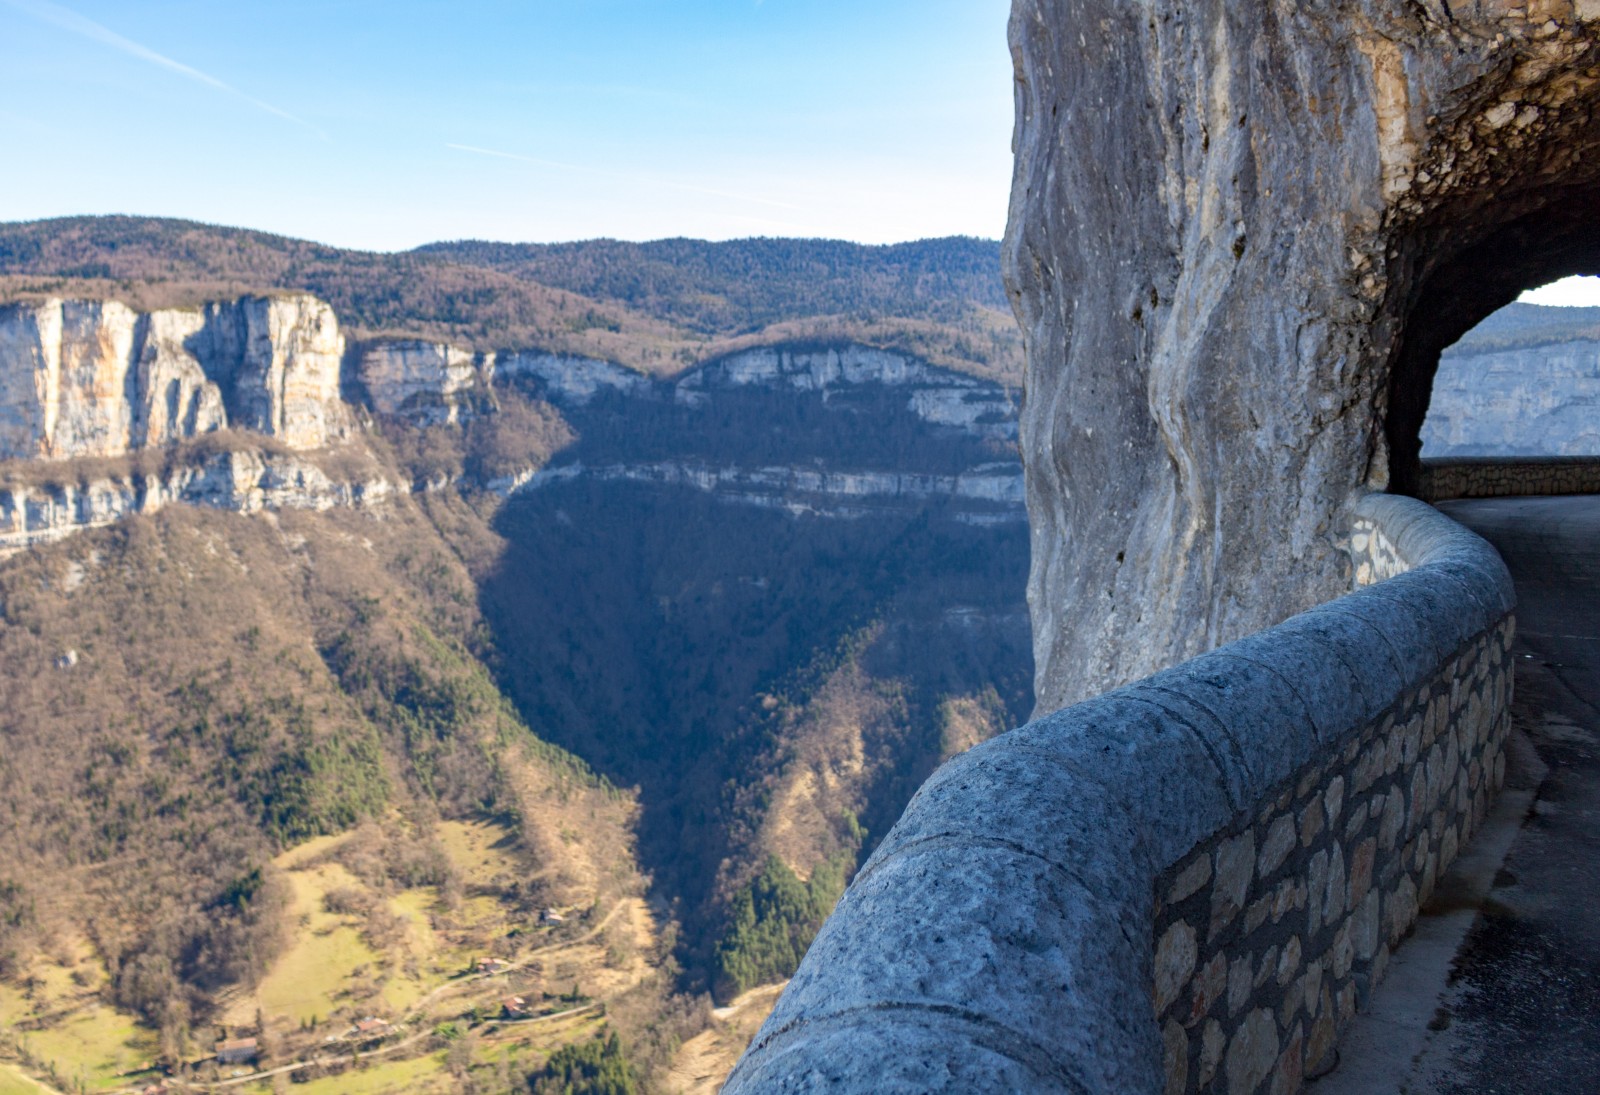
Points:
(1468, 284)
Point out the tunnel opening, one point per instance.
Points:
(1524, 383)
(1463, 285)
(1519, 209)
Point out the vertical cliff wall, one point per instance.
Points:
(1241, 233)
(95, 378)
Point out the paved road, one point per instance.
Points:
(1507, 1002)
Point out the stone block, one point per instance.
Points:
(1212, 1044)
(1342, 953)
(1235, 867)
(1175, 1056)
(1333, 800)
(1335, 893)
(1289, 961)
(1402, 910)
(1209, 987)
(1288, 1074)
(1364, 927)
(1269, 725)
(1006, 791)
(905, 1053)
(1001, 937)
(1275, 846)
(1358, 819)
(1174, 962)
(1392, 819)
(1240, 983)
(1313, 987)
(1311, 823)
(1160, 770)
(1317, 888)
(1361, 863)
(1320, 1057)
(1266, 969)
(1190, 880)
(1337, 662)
(1253, 1052)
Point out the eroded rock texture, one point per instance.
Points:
(1241, 233)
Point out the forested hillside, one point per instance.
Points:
(657, 307)
(489, 742)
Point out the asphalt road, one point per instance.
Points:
(1500, 991)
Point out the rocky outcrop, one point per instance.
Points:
(246, 481)
(424, 383)
(937, 396)
(94, 378)
(1240, 236)
(567, 380)
(988, 494)
(1530, 401)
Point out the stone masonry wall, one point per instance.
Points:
(1188, 884)
(1492, 477)
(1271, 935)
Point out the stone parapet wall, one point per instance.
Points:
(1498, 477)
(1187, 884)
(1269, 938)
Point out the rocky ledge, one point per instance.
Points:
(243, 481)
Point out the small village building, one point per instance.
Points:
(493, 965)
(550, 916)
(516, 1007)
(372, 1027)
(239, 1051)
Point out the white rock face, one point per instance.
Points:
(816, 490)
(815, 370)
(569, 380)
(242, 482)
(63, 379)
(937, 396)
(1543, 400)
(985, 411)
(177, 398)
(89, 378)
(424, 383)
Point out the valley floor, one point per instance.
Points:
(439, 975)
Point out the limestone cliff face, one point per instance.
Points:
(1240, 236)
(844, 431)
(424, 383)
(243, 482)
(89, 378)
(567, 380)
(988, 494)
(936, 396)
(1535, 401)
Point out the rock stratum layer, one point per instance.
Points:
(1240, 237)
(264, 378)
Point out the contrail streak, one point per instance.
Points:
(69, 20)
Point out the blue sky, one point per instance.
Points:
(386, 125)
